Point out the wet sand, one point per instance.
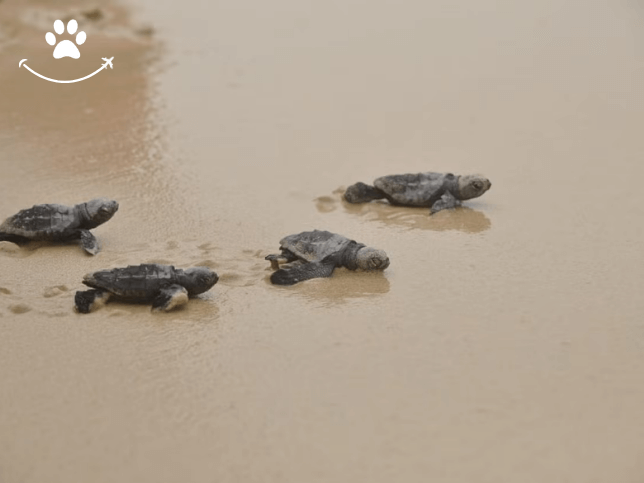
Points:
(504, 342)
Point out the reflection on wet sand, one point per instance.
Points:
(343, 287)
(463, 219)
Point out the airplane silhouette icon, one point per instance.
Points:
(108, 62)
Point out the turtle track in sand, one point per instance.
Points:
(11, 250)
(244, 268)
(12, 303)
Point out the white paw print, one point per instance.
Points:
(66, 48)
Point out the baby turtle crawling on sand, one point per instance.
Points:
(320, 252)
(164, 286)
(437, 191)
(59, 223)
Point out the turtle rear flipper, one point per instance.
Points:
(17, 239)
(306, 271)
(88, 300)
(445, 202)
(284, 257)
(89, 242)
(170, 297)
(362, 193)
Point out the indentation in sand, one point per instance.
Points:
(207, 263)
(162, 261)
(60, 313)
(55, 291)
(19, 308)
(30, 248)
(326, 204)
(118, 313)
(8, 248)
(207, 247)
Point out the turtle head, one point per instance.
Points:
(99, 211)
(372, 259)
(198, 280)
(472, 186)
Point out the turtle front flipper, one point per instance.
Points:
(170, 297)
(89, 300)
(306, 271)
(362, 193)
(447, 201)
(17, 239)
(89, 242)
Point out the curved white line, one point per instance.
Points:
(60, 81)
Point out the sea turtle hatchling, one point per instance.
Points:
(164, 286)
(438, 191)
(53, 222)
(319, 253)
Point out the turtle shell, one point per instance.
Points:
(135, 282)
(43, 222)
(313, 246)
(420, 189)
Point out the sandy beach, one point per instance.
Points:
(505, 343)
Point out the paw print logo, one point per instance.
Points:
(66, 48)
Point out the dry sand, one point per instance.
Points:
(505, 343)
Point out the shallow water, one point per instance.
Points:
(504, 342)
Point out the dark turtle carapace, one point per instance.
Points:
(53, 222)
(318, 253)
(437, 191)
(163, 286)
